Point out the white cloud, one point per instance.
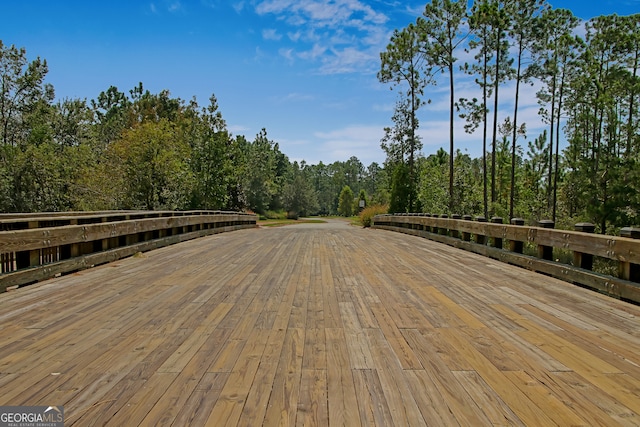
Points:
(174, 6)
(170, 6)
(324, 12)
(362, 141)
(238, 129)
(271, 34)
(238, 7)
(294, 97)
(383, 107)
(287, 54)
(348, 60)
(294, 37)
(315, 52)
(342, 36)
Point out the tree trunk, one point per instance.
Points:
(451, 115)
(495, 121)
(515, 136)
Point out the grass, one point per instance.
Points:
(283, 222)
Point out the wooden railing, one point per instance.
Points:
(506, 242)
(35, 247)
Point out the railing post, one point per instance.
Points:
(546, 252)
(454, 231)
(466, 236)
(434, 229)
(444, 231)
(420, 225)
(481, 239)
(31, 258)
(496, 241)
(628, 270)
(427, 227)
(580, 259)
(514, 245)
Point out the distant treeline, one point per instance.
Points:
(139, 150)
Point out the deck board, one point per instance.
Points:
(319, 324)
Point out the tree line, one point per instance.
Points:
(588, 88)
(140, 150)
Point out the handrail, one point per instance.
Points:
(487, 238)
(38, 246)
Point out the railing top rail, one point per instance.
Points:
(49, 219)
(625, 249)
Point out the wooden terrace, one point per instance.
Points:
(319, 324)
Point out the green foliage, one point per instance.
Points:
(274, 215)
(367, 214)
(166, 180)
(298, 196)
(345, 204)
(401, 189)
(433, 192)
(137, 149)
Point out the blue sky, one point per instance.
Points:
(303, 69)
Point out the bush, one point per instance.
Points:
(275, 214)
(367, 214)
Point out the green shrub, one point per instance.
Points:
(367, 214)
(275, 214)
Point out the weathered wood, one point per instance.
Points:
(586, 245)
(611, 247)
(41, 253)
(37, 238)
(319, 324)
(628, 269)
(612, 286)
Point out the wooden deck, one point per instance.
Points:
(319, 325)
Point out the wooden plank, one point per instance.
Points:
(188, 379)
(521, 405)
(465, 316)
(404, 404)
(432, 405)
(253, 412)
(542, 397)
(312, 407)
(183, 355)
(592, 402)
(441, 382)
(595, 370)
(233, 329)
(494, 408)
(114, 397)
(139, 405)
(356, 340)
(341, 392)
(402, 350)
(625, 358)
(372, 406)
(285, 389)
(228, 407)
(198, 405)
(315, 354)
(315, 304)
